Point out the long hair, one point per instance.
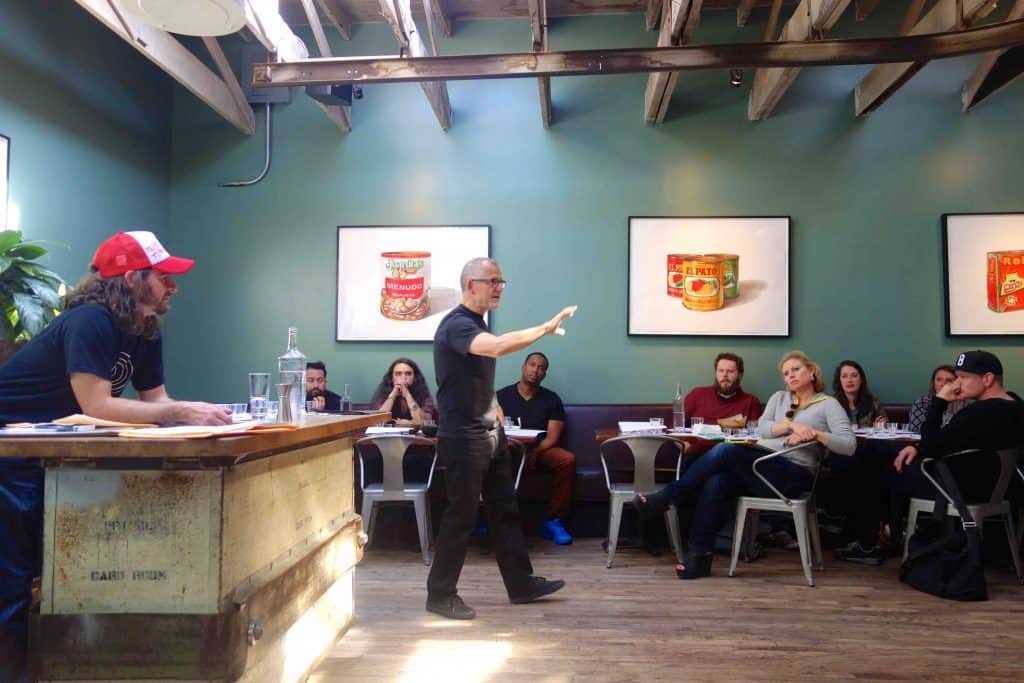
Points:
(819, 382)
(115, 294)
(865, 400)
(931, 385)
(419, 389)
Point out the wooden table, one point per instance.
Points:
(208, 559)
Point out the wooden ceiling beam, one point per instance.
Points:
(164, 50)
(865, 8)
(675, 16)
(339, 114)
(539, 31)
(743, 12)
(398, 14)
(811, 18)
(652, 15)
(397, 69)
(437, 9)
(885, 79)
(335, 14)
(996, 70)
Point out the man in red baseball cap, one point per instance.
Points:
(108, 336)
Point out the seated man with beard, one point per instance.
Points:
(316, 387)
(724, 402)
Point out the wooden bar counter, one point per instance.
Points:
(195, 559)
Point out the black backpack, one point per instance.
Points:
(944, 557)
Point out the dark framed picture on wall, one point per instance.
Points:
(724, 276)
(395, 283)
(983, 258)
(5, 153)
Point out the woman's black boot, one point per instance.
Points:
(697, 566)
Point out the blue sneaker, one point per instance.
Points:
(554, 531)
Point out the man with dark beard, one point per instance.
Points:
(316, 387)
(81, 362)
(724, 402)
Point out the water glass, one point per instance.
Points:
(752, 428)
(258, 407)
(271, 411)
(696, 421)
(309, 407)
(891, 427)
(259, 393)
(657, 422)
(509, 424)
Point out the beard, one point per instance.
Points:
(727, 391)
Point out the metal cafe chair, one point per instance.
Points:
(997, 505)
(393, 486)
(803, 509)
(644, 449)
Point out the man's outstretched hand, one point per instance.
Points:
(554, 326)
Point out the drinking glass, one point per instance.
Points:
(891, 427)
(509, 424)
(752, 428)
(309, 407)
(259, 394)
(271, 411)
(695, 421)
(657, 422)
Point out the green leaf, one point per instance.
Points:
(31, 313)
(45, 292)
(36, 270)
(28, 251)
(5, 263)
(8, 238)
(7, 328)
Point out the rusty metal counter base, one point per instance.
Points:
(240, 572)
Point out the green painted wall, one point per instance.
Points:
(865, 197)
(89, 122)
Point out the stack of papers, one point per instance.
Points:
(205, 432)
(518, 433)
(706, 430)
(377, 431)
(639, 428)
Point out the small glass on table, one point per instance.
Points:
(259, 394)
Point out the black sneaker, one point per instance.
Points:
(855, 552)
(538, 588)
(450, 607)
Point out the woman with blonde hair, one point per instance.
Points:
(802, 414)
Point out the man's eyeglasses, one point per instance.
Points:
(792, 410)
(493, 282)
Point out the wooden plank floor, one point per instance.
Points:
(637, 622)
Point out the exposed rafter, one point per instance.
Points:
(398, 14)
(336, 15)
(339, 114)
(166, 52)
(810, 18)
(440, 15)
(996, 70)
(866, 7)
(652, 15)
(743, 12)
(539, 31)
(885, 79)
(999, 36)
(677, 25)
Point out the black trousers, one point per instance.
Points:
(472, 467)
(875, 480)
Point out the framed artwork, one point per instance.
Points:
(724, 276)
(395, 283)
(5, 149)
(983, 256)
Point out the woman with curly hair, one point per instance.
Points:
(404, 393)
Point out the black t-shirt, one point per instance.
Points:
(465, 382)
(989, 425)
(534, 413)
(35, 385)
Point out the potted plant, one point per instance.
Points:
(30, 293)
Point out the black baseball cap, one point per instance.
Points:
(979, 362)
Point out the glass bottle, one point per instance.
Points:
(346, 401)
(291, 369)
(678, 416)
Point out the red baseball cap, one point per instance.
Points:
(137, 250)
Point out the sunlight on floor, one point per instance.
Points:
(467, 661)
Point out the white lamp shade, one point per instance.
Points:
(190, 17)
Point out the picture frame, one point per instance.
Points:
(983, 272)
(396, 282)
(5, 178)
(734, 283)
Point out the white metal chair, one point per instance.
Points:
(644, 449)
(803, 509)
(393, 486)
(997, 505)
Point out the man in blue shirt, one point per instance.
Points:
(471, 444)
(108, 336)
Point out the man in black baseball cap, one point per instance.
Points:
(992, 422)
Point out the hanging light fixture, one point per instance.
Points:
(190, 17)
(735, 78)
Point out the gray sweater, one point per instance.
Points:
(824, 414)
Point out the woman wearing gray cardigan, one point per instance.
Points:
(801, 414)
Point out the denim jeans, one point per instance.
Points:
(21, 553)
(723, 474)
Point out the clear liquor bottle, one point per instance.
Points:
(291, 369)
